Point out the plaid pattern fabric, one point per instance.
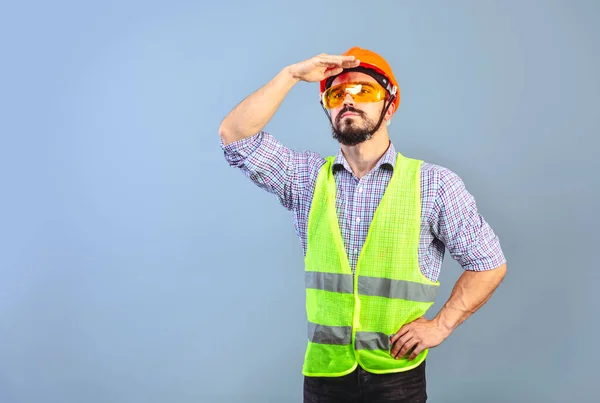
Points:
(449, 216)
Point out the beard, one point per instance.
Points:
(349, 131)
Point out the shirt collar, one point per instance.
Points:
(387, 160)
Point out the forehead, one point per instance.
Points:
(353, 76)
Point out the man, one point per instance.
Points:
(373, 225)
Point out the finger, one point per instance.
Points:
(399, 345)
(337, 57)
(401, 332)
(396, 346)
(416, 351)
(337, 60)
(351, 63)
(406, 348)
(329, 63)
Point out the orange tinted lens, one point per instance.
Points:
(361, 92)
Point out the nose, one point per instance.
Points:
(348, 100)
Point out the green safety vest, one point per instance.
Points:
(352, 317)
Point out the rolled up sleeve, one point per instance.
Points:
(272, 166)
(469, 238)
(237, 152)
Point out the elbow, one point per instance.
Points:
(225, 133)
(501, 272)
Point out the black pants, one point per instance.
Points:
(364, 387)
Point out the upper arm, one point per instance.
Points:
(458, 224)
(272, 166)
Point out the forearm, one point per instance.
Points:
(471, 291)
(254, 112)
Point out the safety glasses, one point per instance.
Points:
(359, 91)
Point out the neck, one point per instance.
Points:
(363, 157)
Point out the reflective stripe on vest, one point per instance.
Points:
(372, 286)
(342, 335)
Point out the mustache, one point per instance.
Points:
(349, 108)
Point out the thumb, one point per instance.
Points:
(333, 72)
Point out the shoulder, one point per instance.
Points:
(439, 178)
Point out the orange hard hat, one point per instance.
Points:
(371, 62)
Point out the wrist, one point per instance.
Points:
(290, 73)
(445, 325)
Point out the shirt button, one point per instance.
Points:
(360, 189)
(355, 250)
(357, 219)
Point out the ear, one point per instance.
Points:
(390, 112)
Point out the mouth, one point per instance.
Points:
(346, 114)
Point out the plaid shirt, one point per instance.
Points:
(449, 216)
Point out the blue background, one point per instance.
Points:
(136, 266)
